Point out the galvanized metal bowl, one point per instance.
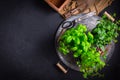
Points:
(91, 23)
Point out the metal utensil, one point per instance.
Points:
(70, 24)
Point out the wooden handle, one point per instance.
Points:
(109, 16)
(61, 67)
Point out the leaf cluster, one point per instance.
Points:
(83, 44)
(105, 32)
(78, 41)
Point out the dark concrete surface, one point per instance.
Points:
(27, 51)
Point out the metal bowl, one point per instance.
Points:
(91, 23)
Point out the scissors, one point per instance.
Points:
(69, 24)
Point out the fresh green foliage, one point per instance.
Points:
(90, 62)
(105, 32)
(83, 44)
(78, 41)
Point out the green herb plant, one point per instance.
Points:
(78, 41)
(105, 32)
(83, 44)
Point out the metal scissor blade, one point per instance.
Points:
(84, 16)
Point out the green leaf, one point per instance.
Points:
(114, 14)
(64, 51)
(84, 37)
(76, 54)
(90, 37)
(77, 41)
(74, 48)
(81, 27)
(69, 39)
(85, 75)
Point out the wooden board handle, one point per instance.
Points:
(61, 68)
(109, 16)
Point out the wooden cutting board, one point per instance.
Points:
(68, 8)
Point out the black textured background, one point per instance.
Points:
(27, 51)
